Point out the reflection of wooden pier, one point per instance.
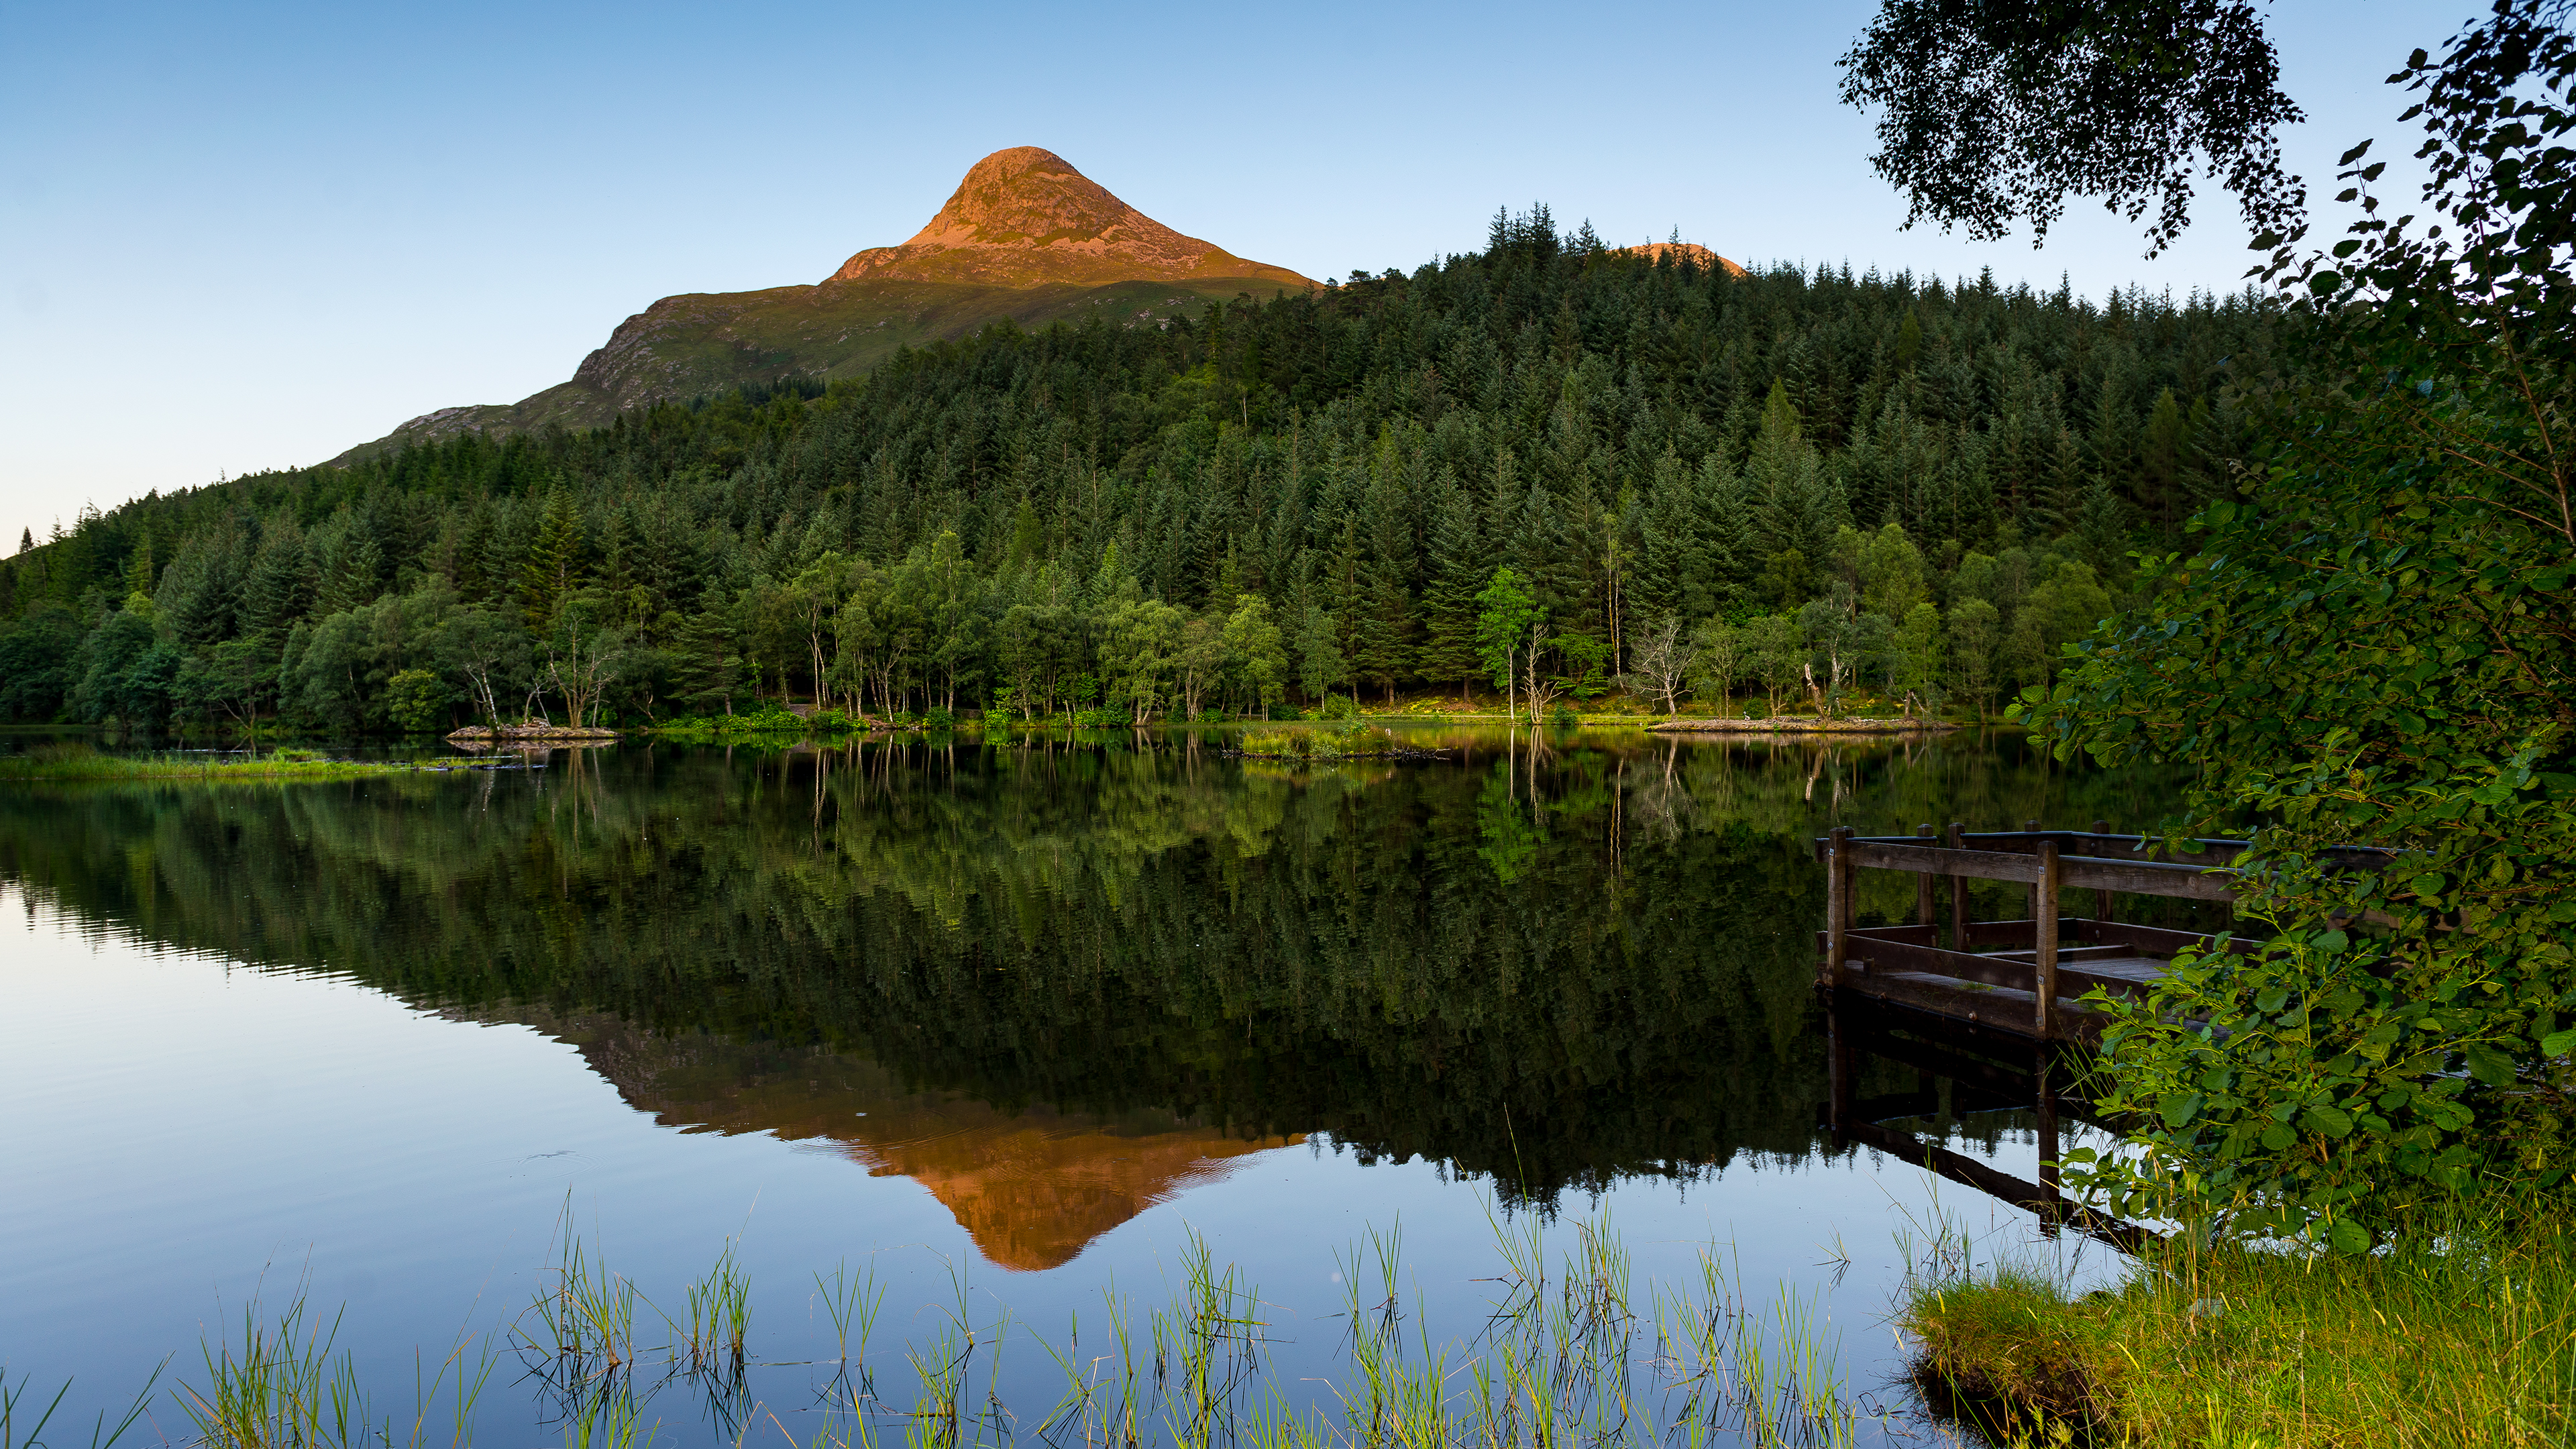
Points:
(2019, 977)
(1983, 1073)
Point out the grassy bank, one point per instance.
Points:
(57, 763)
(2463, 1335)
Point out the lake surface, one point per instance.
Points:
(1011, 1033)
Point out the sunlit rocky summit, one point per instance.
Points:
(1025, 218)
(1025, 238)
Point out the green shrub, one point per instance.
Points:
(1338, 706)
(416, 700)
(2375, 645)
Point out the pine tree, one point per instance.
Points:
(2165, 464)
(553, 566)
(1382, 647)
(280, 587)
(1730, 550)
(1672, 573)
(353, 564)
(1795, 508)
(1448, 651)
(505, 553)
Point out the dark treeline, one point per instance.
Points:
(1703, 482)
(1552, 970)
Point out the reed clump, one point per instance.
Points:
(1361, 742)
(719, 1316)
(2461, 1333)
(1568, 1354)
(284, 1384)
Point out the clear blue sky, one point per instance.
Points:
(248, 236)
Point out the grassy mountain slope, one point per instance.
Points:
(707, 342)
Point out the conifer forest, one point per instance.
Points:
(1544, 472)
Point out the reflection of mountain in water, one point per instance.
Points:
(1551, 973)
(1033, 1186)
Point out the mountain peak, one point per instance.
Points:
(1024, 217)
(1699, 256)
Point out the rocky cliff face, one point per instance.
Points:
(1025, 218)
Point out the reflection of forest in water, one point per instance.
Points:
(1065, 981)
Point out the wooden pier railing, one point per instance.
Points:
(2021, 976)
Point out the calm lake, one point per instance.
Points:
(1000, 1037)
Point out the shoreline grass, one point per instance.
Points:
(83, 764)
(2462, 1334)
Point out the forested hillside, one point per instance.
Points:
(1894, 485)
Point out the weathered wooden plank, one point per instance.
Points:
(2004, 971)
(2215, 854)
(2001, 1008)
(2002, 933)
(2137, 877)
(1910, 935)
(1933, 961)
(2151, 940)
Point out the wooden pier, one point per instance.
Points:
(2021, 977)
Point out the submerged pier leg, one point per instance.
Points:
(2053, 1207)
(2044, 920)
(1839, 1066)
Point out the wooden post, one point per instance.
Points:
(1958, 891)
(1838, 904)
(2032, 827)
(2045, 921)
(2102, 908)
(1924, 914)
